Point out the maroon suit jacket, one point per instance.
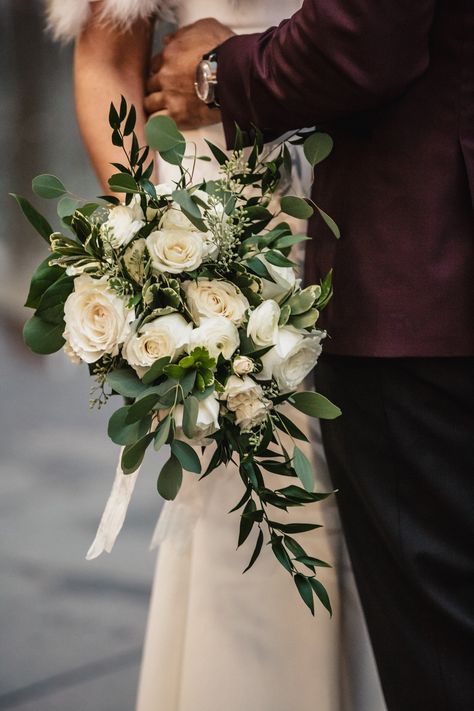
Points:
(393, 82)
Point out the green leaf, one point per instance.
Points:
(286, 425)
(155, 370)
(43, 277)
(170, 479)
(141, 407)
(277, 259)
(130, 122)
(296, 207)
(295, 527)
(317, 147)
(187, 456)
(256, 552)
(67, 206)
(218, 154)
(321, 593)
(258, 267)
(162, 433)
(190, 415)
(35, 219)
(133, 454)
(315, 405)
(48, 186)
(310, 561)
(330, 222)
(243, 500)
(123, 433)
(301, 302)
(246, 523)
(289, 241)
(42, 337)
(303, 468)
(281, 555)
(305, 590)
(126, 383)
(162, 134)
(175, 155)
(184, 200)
(174, 371)
(123, 183)
(306, 320)
(51, 306)
(114, 118)
(293, 546)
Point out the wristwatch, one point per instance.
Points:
(206, 80)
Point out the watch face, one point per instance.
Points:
(203, 75)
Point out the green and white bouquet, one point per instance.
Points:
(184, 300)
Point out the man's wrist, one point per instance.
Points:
(206, 80)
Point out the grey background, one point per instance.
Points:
(70, 631)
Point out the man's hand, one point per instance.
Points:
(171, 85)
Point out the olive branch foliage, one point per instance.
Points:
(244, 187)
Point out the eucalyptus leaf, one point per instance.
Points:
(303, 468)
(141, 407)
(170, 479)
(125, 382)
(315, 405)
(43, 337)
(162, 433)
(48, 186)
(329, 222)
(44, 276)
(123, 433)
(296, 207)
(289, 240)
(51, 306)
(187, 456)
(162, 134)
(184, 200)
(35, 219)
(317, 147)
(123, 183)
(132, 455)
(155, 370)
(190, 415)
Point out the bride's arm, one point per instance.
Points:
(109, 62)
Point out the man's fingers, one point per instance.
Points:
(156, 62)
(154, 102)
(153, 83)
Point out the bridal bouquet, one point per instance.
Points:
(184, 300)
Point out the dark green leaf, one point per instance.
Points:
(162, 134)
(130, 122)
(123, 183)
(184, 200)
(141, 407)
(296, 207)
(42, 278)
(126, 383)
(175, 155)
(295, 527)
(123, 433)
(321, 593)
(39, 222)
(190, 415)
(256, 552)
(162, 433)
(281, 555)
(133, 454)
(310, 561)
(219, 155)
(170, 479)
(42, 337)
(246, 524)
(278, 259)
(187, 456)
(289, 240)
(317, 147)
(245, 497)
(123, 108)
(51, 306)
(293, 546)
(303, 468)
(329, 222)
(48, 186)
(305, 590)
(258, 267)
(156, 370)
(315, 405)
(286, 425)
(174, 371)
(114, 118)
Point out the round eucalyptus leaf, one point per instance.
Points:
(296, 207)
(170, 479)
(48, 186)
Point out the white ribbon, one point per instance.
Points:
(114, 512)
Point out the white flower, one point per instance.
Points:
(97, 320)
(123, 223)
(245, 398)
(284, 281)
(164, 336)
(164, 189)
(207, 298)
(242, 365)
(70, 354)
(207, 421)
(175, 250)
(218, 335)
(175, 219)
(293, 357)
(262, 327)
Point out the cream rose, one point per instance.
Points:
(207, 421)
(97, 320)
(292, 358)
(175, 250)
(242, 365)
(245, 398)
(284, 281)
(164, 336)
(123, 223)
(218, 335)
(175, 219)
(207, 298)
(262, 327)
(251, 414)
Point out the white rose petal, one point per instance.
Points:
(263, 323)
(97, 320)
(207, 421)
(245, 398)
(175, 219)
(242, 365)
(164, 336)
(251, 414)
(175, 250)
(293, 357)
(123, 223)
(284, 281)
(208, 298)
(218, 335)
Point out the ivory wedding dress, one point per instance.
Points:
(218, 640)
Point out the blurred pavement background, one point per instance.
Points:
(71, 630)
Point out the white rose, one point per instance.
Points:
(123, 223)
(245, 398)
(262, 327)
(207, 421)
(165, 336)
(284, 281)
(175, 219)
(97, 320)
(207, 298)
(164, 189)
(70, 354)
(175, 250)
(292, 358)
(242, 365)
(218, 335)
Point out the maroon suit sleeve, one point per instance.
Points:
(329, 60)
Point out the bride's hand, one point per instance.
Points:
(170, 88)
